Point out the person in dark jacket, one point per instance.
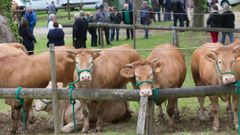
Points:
(146, 17)
(102, 16)
(214, 21)
(228, 19)
(27, 36)
(115, 18)
(167, 11)
(91, 30)
(31, 17)
(156, 9)
(55, 36)
(80, 28)
(127, 19)
(177, 7)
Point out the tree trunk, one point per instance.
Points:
(198, 16)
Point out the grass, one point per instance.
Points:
(188, 106)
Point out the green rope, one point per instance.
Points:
(237, 91)
(142, 82)
(21, 101)
(155, 96)
(72, 102)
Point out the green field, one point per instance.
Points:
(189, 123)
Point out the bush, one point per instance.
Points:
(5, 10)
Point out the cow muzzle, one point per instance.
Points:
(85, 76)
(145, 92)
(228, 78)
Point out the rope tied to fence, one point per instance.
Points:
(155, 96)
(21, 101)
(72, 102)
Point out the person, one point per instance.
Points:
(167, 12)
(184, 14)
(177, 7)
(156, 9)
(55, 36)
(127, 19)
(223, 2)
(52, 18)
(102, 16)
(228, 19)
(80, 28)
(92, 31)
(214, 21)
(27, 36)
(52, 8)
(115, 18)
(31, 17)
(189, 7)
(145, 17)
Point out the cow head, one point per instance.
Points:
(84, 61)
(42, 105)
(224, 59)
(143, 72)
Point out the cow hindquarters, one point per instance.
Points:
(235, 110)
(214, 111)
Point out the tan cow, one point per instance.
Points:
(101, 70)
(164, 67)
(12, 49)
(32, 72)
(214, 64)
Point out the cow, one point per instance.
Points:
(12, 49)
(163, 68)
(101, 70)
(32, 72)
(215, 64)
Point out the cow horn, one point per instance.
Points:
(155, 60)
(236, 48)
(129, 65)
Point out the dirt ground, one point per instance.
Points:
(188, 124)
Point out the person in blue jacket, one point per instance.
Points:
(31, 17)
(55, 36)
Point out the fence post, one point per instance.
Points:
(68, 7)
(55, 103)
(150, 118)
(175, 38)
(101, 37)
(142, 115)
(134, 24)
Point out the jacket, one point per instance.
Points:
(115, 18)
(27, 36)
(55, 36)
(214, 20)
(228, 19)
(125, 16)
(177, 6)
(80, 28)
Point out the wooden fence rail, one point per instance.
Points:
(118, 94)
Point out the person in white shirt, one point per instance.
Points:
(52, 19)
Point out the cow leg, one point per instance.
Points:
(229, 104)
(99, 127)
(70, 127)
(214, 111)
(128, 111)
(170, 111)
(161, 114)
(31, 117)
(26, 108)
(85, 112)
(202, 114)
(176, 112)
(15, 112)
(235, 110)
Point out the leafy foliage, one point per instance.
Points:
(5, 10)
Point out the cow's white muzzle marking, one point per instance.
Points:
(228, 78)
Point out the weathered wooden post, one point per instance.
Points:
(134, 24)
(101, 37)
(55, 103)
(175, 38)
(150, 118)
(142, 115)
(68, 7)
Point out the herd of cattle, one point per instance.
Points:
(212, 64)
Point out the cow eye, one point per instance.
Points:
(219, 62)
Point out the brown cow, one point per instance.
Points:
(214, 64)
(12, 49)
(32, 72)
(101, 70)
(164, 67)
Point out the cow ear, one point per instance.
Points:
(236, 52)
(158, 68)
(70, 56)
(127, 72)
(96, 54)
(211, 56)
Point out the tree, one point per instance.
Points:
(199, 9)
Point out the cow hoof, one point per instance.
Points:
(215, 129)
(99, 129)
(203, 115)
(176, 116)
(84, 130)
(32, 120)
